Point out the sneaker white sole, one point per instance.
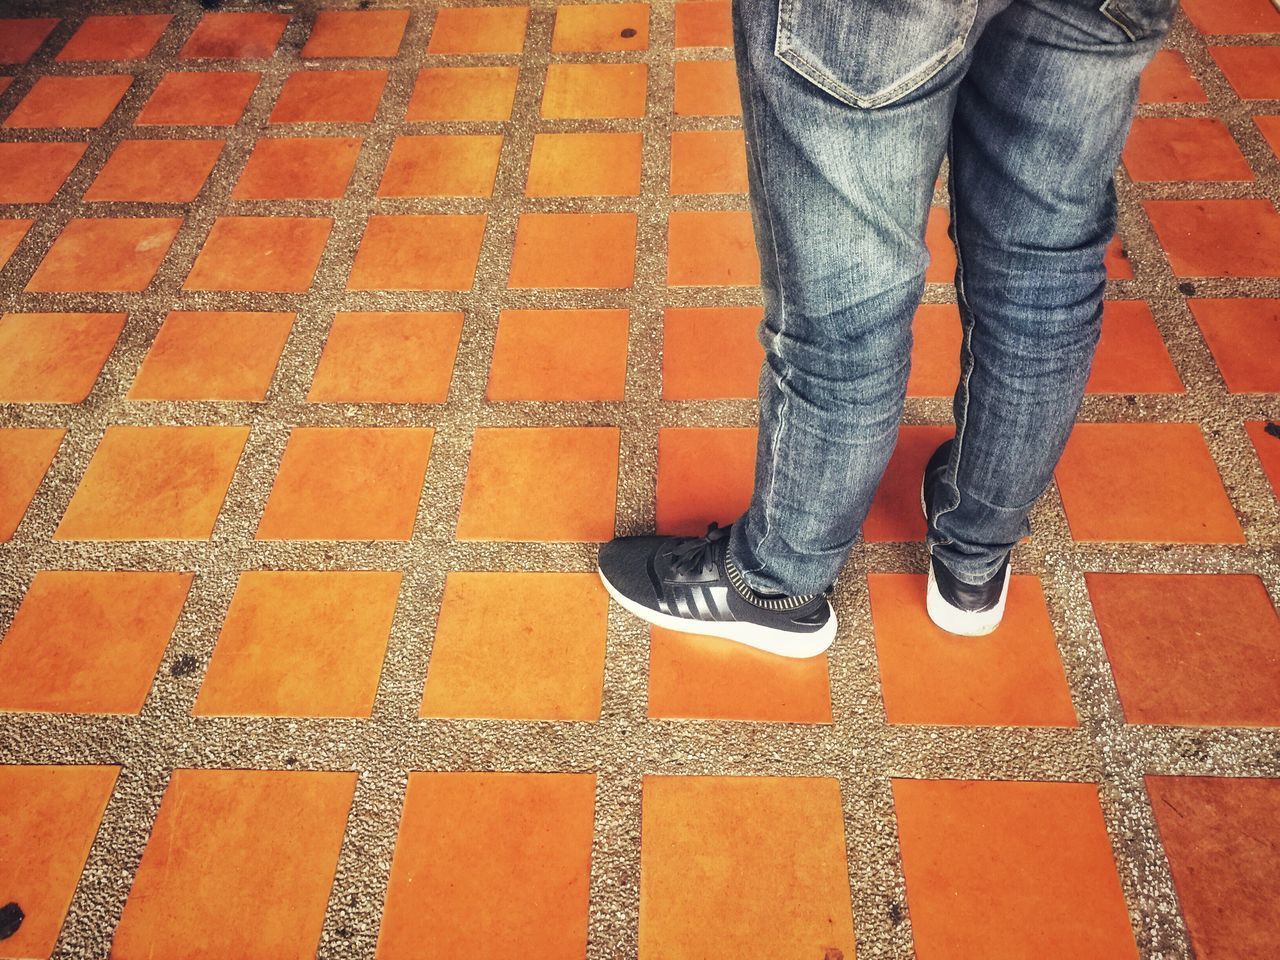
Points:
(798, 646)
(964, 623)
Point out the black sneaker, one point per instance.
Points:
(956, 606)
(690, 584)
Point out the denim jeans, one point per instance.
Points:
(849, 107)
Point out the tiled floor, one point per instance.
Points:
(332, 343)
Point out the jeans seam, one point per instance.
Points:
(779, 380)
(966, 317)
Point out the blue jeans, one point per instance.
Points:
(848, 108)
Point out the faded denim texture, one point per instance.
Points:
(849, 107)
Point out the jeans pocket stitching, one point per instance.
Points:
(820, 76)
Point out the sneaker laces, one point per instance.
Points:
(691, 555)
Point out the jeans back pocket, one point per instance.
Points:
(1140, 19)
(869, 53)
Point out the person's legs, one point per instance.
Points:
(846, 108)
(1040, 120)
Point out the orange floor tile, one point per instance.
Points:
(491, 863)
(337, 337)
(89, 641)
(1010, 870)
(25, 455)
(700, 678)
(1222, 841)
(212, 356)
(766, 857)
(348, 483)
(387, 358)
(54, 357)
(519, 646)
(559, 355)
(1011, 677)
(154, 483)
(527, 483)
(1144, 482)
(49, 816)
(1190, 649)
(237, 843)
(301, 644)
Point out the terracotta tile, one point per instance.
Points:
(1190, 649)
(20, 38)
(237, 843)
(491, 864)
(585, 165)
(330, 96)
(769, 852)
(559, 355)
(708, 23)
(580, 250)
(105, 254)
(1218, 238)
(428, 252)
(1009, 869)
(583, 91)
(1254, 72)
(1117, 260)
(348, 483)
(4, 83)
(208, 99)
(942, 253)
(1168, 79)
(212, 356)
(1242, 16)
(1131, 355)
(692, 334)
(519, 646)
(301, 644)
(442, 166)
(25, 455)
(48, 819)
(154, 483)
(295, 168)
(711, 248)
(33, 172)
(895, 511)
(1135, 482)
(387, 358)
(541, 483)
(1270, 128)
(935, 352)
(595, 27)
(115, 38)
(707, 161)
(54, 357)
(479, 30)
(1183, 148)
(1012, 677)
(11, 234)
(70, 101)
(706, 88)
(89, 641)
(463, 93)
(1244, 336)
(1267, 445)
(705, 678)
(260, 253)
(705, 475)
(156, 171)
(235, 36)
(356, 33)
(1223, 846)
